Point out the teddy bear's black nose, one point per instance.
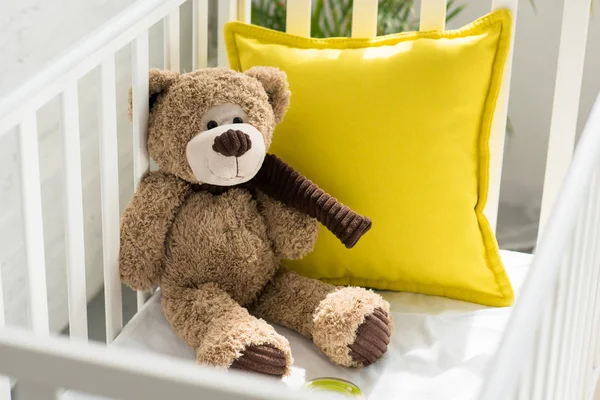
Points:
(232, 143)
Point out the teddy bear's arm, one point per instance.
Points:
(292, 232)
(144, 227)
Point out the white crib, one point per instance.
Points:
(549, 349)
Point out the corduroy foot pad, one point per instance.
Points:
(372, 338)
(263, 359)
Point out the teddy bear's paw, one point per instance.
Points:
(263, 359)
(372, 338)
(244, 342)
(352, 326)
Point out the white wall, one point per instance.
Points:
(530, 108)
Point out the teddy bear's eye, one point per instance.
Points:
(212, 124)
(238, 120)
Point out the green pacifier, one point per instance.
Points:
(342, 388)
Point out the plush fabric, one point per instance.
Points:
(214, 324)
(145, 225)
(398, 126)
(215, 249)
(338, 320)
(292, 234)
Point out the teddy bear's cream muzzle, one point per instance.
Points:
(226, 155)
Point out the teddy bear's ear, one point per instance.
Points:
(159, 81)
(276, 85)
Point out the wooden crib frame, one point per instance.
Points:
(550, 349)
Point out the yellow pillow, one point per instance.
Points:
(396, 127)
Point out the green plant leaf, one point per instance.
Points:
(510, 129)
(269, 13)
(336, 19)
(347, 19)
(315, 25)
(453, 13)
(532, 3)
(326, 23)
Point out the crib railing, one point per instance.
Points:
(554, 330)
(44, 363)
(550, 348)
(541, 355)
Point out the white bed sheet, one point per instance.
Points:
(440, 348)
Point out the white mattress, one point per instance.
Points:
(439, 350)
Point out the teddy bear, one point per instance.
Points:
(213, 223)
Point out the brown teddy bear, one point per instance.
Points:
(211, 225)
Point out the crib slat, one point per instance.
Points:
(227, 12)
(592, 357)
(591, 362)
(574, 283)
(558, 327)
(540, 372)
(34, 230)
(589, 334)
(140, 99)
(433, 15)
(586, 296)
(580, 308)
(297, 21)
(565, 109)
(4, 380)
(591, 339)
(141, 160)
(109, 185)
(364, 18)
(75, 251)
(524, 386)
(171, 40)
(244, 10)
(200, 34)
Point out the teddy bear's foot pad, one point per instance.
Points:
(263, 359)
(372, 338)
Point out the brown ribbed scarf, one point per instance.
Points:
(281, 182)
